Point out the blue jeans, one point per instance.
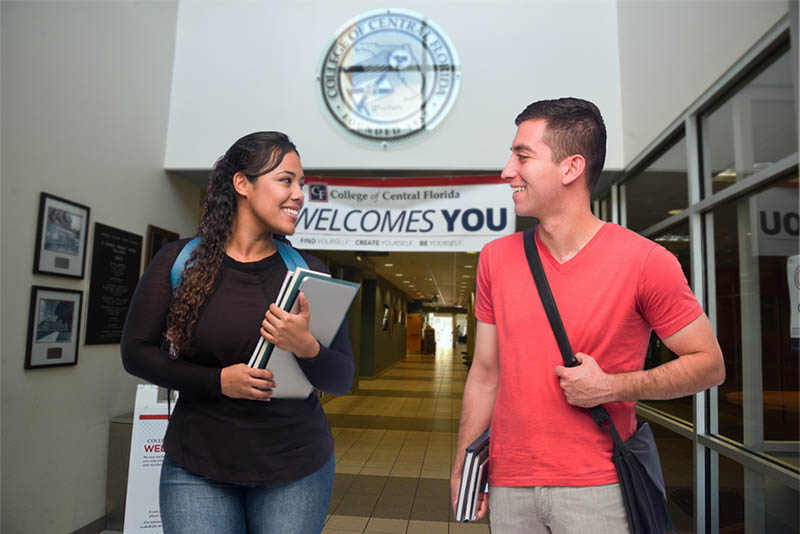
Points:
(193, 504)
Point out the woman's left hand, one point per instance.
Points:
(289, 331)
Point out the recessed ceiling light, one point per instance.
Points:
(388, 264)
(468, 266)
(399, 274)
(674, 212)
(412, 285)
(406, 282)
(465, 276)
(358, 258)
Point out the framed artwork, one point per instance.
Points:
(53, 327)
(61, 234)
(385, 319)
(156, 238)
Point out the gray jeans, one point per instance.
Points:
(557, 510)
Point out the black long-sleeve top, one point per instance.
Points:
(225, 439)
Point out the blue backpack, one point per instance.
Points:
(290, 257)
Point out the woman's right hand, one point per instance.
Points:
(243, 382)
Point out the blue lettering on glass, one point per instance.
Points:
(791, 223)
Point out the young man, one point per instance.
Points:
(550, 465)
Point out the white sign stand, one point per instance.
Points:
(150, 418)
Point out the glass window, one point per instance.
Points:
(757, 281)
(676, 240)
(753, 129)
(751, 503)
(659, 191)
(605, 208)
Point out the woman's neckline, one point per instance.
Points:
(249, 266)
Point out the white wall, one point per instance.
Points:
(671, 52)
(242, 66)
(85, 97)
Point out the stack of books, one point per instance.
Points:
(328, 302)
(473, 478)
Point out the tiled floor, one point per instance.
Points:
(395, 441)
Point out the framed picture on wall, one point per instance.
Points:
(53, 327)
(61, 234)
(156, 238)
(385, 319)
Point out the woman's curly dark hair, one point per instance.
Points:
(254, 154)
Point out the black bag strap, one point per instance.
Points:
(599, 413)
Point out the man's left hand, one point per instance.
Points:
(585, 385)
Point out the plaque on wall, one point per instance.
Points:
(116, 257)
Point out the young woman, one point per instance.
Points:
(238, 461)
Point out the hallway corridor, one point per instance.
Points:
(394, 441)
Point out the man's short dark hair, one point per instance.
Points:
(574, 126)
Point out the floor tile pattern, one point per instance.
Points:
(394, 442)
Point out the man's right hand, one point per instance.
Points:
(481, 507)
(243, 382)
(455, 484)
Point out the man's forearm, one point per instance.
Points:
(680, 377)
(476, 414)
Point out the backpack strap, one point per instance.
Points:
(176, 272)
(290, 257)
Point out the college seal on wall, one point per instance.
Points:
(389, 75)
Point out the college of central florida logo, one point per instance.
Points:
(389, 75)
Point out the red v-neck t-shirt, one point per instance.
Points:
(616, 290)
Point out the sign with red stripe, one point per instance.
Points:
(436, 214)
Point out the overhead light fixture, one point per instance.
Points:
(388, 264)
(465, 276)
(358, 258)
(674, 212)
(406, 282)
(399, 274)
(468, 266)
